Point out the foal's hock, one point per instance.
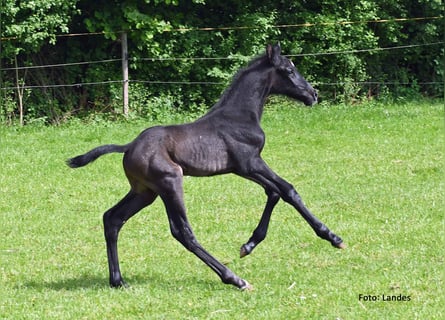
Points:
(228, 139)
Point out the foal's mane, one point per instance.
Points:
(256, 62)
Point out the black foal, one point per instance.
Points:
(228, 139)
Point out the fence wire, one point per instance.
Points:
(153, 59)
(156, 59)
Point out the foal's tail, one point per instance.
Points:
(92, 155)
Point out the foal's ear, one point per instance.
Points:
(273, 53)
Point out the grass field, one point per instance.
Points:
(373, 173)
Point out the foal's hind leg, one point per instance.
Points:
(172, 195)
(113, 220)
(261, 230)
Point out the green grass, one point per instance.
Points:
(373, 173)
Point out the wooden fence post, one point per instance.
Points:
(125, 72)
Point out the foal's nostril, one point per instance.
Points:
(315, 95)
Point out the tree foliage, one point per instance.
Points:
(159, 30)
(31, 24)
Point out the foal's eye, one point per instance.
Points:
(289, 70)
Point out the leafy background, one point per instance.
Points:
(32, 35)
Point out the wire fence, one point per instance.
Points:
(157, 59)
(300, 25)
(154, 59)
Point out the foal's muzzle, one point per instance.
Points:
(311, 98)
(315, 95)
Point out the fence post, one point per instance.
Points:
(125, 71)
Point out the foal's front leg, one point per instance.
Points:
(320, 229)
(271, 181)
(259, 234)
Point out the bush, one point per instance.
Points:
(329, 38)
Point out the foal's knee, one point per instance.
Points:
(106, 218)
(112, 225)
(186, 238)
(291, 195)
(272, 195)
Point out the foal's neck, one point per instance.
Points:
(247, 93)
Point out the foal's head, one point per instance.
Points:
(287, 80)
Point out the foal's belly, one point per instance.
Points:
(202, 156)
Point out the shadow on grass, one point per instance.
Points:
(80, 283)
(96, 282)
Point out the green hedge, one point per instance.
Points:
(176, 29)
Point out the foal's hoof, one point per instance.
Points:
(243, 252)
(246, 287)
(337, 242)
(340, 245)
(119, 285)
